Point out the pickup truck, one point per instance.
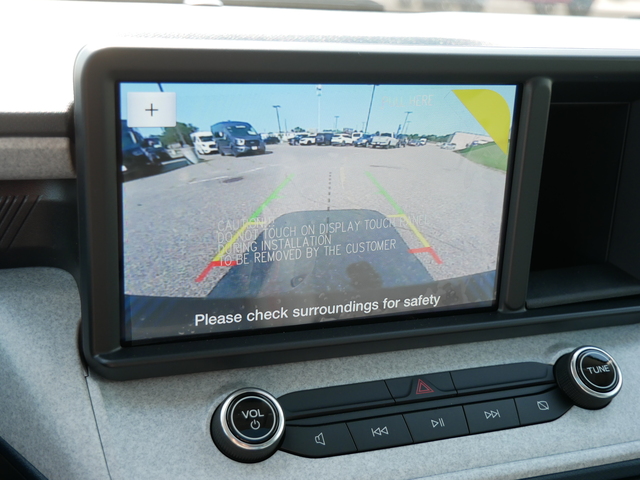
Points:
(385, 140)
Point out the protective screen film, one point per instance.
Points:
(251, 206)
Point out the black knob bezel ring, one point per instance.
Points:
(593, 391)
(274, 436)
(234, 428)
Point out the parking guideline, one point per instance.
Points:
(217, 260)
(401, 214)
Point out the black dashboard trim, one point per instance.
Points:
(14, 466)
(98, 69)
(613, 471)
(526, 174)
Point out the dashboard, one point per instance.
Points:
(494, 195)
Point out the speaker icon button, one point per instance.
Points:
(318, 441)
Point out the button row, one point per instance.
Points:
(425, 426)
(322, 401)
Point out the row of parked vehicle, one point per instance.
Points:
(229, 138)
(240, 138)
(357, 139)
(325, 138)
(225, 138)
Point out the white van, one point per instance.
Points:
(204, 143)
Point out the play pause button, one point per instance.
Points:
(436, 424)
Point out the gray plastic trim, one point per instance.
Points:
(46, 414)
(36, 124)
(151, 426)
(159, 428)
(36, 158)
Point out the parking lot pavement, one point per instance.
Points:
(446, 208)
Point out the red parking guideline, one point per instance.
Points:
(428, 250)
(221, 263)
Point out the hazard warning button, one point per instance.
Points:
(421, 387)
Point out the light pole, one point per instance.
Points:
(337, 117)
(373, 92)
(278, 115)
(407, 127)
(405, 120)
(319, 95)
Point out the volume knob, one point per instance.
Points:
(248, 426)
(589, 376)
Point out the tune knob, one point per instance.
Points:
(589, 376)
(248, 426)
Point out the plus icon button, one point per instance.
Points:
(151, 109)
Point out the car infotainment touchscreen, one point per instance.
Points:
(258, 206)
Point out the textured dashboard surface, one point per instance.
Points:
(150, 426)
(35, 158)
(158, 428)
(46, 412)
(54, 32)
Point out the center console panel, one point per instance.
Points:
(422, 408)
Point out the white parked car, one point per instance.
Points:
(308, 140)
(341, 139)
(449, 146)
(385, 140)
(204, 143)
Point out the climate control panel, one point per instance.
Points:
(251, 425)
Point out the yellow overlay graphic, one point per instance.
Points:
(491, 111)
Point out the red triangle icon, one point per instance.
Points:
(423, 388)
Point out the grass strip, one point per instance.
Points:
(488, 154)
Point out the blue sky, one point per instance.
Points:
(434, 109)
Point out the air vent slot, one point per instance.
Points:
(38, 224)
(14, 210)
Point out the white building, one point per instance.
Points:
(464, 139)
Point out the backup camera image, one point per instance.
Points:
(250, 206)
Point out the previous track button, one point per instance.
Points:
(383, 432)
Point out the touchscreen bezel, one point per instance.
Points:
(354, 297)
(97, 76)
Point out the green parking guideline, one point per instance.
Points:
(384, 193)
(269, 199)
